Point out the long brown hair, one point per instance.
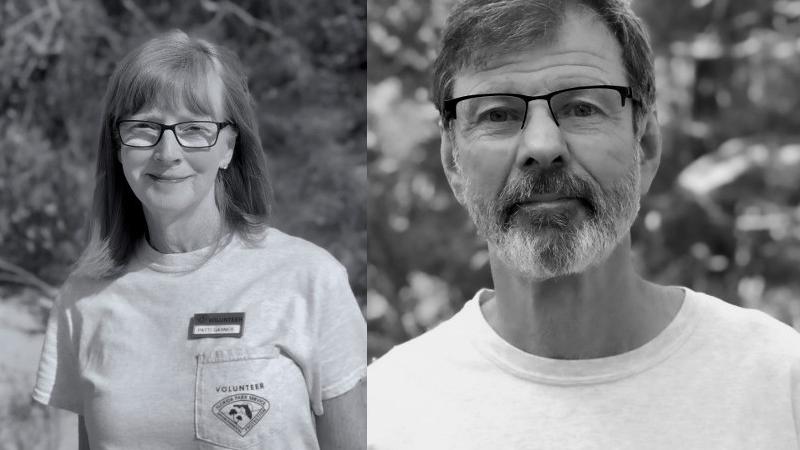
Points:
(170, 70)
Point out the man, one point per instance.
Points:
(549, 139)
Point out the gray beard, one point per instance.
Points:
(564, 247)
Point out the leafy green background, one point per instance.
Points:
(722, 216)
(306, 63)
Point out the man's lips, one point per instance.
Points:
(547, 199)
(546, 202)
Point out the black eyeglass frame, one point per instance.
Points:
(449, 105)
(163, 127)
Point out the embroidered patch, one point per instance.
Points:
(241, 412)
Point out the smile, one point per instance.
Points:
(165, 179)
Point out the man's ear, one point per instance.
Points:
(454, 176)
(649, 146)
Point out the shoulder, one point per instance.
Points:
(280, 244)
(426, 372)
(750, 330)
(284, 249)
(80, 287)
(426, 355)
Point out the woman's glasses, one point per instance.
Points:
(143, 133)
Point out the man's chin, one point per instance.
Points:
(548, 253)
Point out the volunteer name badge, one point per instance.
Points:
(215, 325)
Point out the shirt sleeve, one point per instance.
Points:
(341, 339)
(57, 380)
(795, 393)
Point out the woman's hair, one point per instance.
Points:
(169, 71)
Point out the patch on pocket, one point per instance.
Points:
(241, 412)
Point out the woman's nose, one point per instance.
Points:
(168, 149)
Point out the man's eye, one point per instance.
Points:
(582, 110)
(499, 115)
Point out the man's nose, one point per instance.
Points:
(168, 149)
(542, 144)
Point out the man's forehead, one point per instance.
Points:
(582, 48)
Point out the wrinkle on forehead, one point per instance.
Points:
(583, 47)
(518, 78)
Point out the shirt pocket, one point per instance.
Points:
(240, 399)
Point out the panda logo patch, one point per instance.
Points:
(241, 412)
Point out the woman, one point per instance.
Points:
(189, 323)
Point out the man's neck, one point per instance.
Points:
(606, 310)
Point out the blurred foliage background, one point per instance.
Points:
(306, 63)
(722, 216)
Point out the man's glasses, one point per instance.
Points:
(584, 109)
(143, 133)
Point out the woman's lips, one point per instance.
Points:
(166, 178)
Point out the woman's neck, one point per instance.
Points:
(185, 232)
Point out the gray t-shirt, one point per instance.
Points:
(119, 353)
(717, 377)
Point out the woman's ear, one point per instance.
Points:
(230, 143)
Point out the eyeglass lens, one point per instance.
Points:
(189, 134)
(580, 110)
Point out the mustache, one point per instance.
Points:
(547, 181)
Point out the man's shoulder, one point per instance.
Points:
(746, 328)
(423, 350)
(431, 355)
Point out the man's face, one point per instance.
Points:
(550, 201)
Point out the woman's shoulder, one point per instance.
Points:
(79, 287)
(275, 244)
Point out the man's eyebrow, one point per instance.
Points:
(576, 81)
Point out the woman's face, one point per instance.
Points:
(171, 180)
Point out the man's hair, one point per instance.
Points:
(478, 30)
(170, 71)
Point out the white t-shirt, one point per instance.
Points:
(118, 352)
(717, 377)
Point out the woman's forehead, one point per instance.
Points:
(174, 113)
(191, 98)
